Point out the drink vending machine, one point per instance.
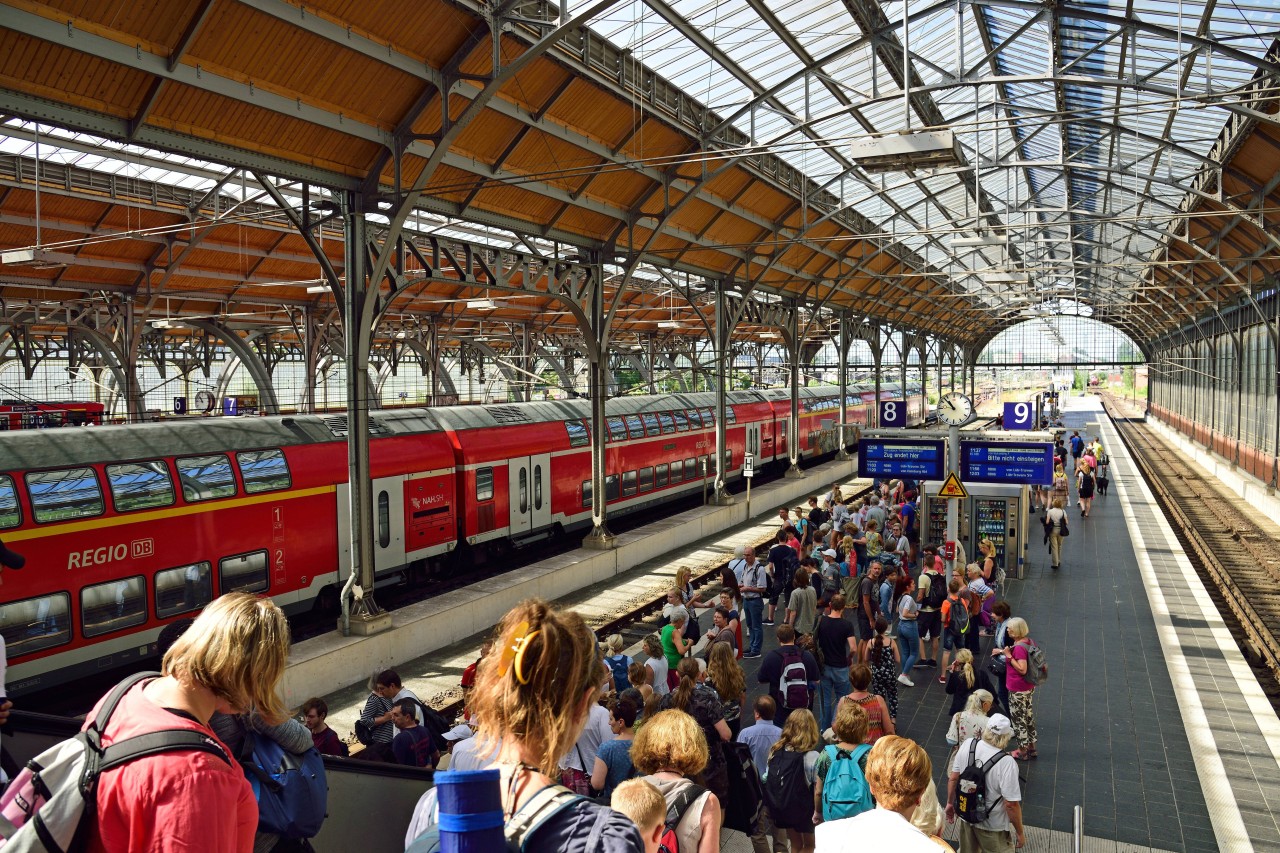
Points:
(994, 511)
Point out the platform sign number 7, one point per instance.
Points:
(893, 413)
(1019, 416)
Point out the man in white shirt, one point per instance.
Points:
(1003, 796)
(898, 773)
(389, 685)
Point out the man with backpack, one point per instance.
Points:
(931, 591)
(983, 791)
(955, 624)
(788, 670)
(783, 562)
(413, 745)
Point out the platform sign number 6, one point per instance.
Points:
(893, 413)
(1019, 416)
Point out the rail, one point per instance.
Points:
(1228, 548)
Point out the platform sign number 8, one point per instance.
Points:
(1019, 416)
(893, 413)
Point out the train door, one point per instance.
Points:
(520, 495)
(540, 475)
(753, 441)
(388, 523)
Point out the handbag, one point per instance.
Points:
(1066, 531)
(997, 666)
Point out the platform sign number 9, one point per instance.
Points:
(1019, 416)
(893, 413)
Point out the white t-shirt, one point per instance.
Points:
(878, 829)
(659, 666)
(1002, 782)
(582, 756)
(406, 693)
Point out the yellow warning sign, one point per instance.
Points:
(952, 487)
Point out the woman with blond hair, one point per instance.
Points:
(725, 677)
(788, 782)
(699, 701)
(230, 660)
(1055, 526)
(898, 774)
(963, 679)
(969, 722)
(532, 697)
(1021, 691)
(671, 750)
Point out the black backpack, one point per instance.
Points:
(937, 591)
(743, 808)
(971, 792)
(435, 724)
(786, 791)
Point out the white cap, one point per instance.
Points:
(832, 553)
(459, 732)
(998, 724)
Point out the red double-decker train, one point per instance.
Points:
(127, 528)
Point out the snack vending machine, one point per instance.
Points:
(992, 511)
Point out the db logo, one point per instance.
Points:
(142, 548)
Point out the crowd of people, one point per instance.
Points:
(596, 749)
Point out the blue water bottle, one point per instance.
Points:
(470, 804)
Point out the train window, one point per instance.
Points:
(587, 492)
(635, 427)
(524, 489)
(651, 426)
(204, 478)
(628, 484)
(677, 471)
(384, 519)
(661, 476)
(691, 469)
(110, 606)
(681, 419)
(64, 495)
(708, 417)
(668, 423)
(646, 479)
(243, 573)
(611, 489)
(579, 434)
(263, 471)
(537, 487)
(139, 485)
(35, 623)
(617, 430)
(695, 419)
(10, 512)
(728, 459)
(729, 416)
(484, 484)
(183, 589)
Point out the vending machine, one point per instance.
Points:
(994, 511)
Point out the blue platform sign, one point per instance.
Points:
(179, 405)
(1019, 416)
(893, 413)
(886, 457)
(1006, 462)
(230, 406)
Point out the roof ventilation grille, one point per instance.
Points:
(508, 414)
(338, 426)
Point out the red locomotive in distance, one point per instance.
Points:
(127, 528)
(22, 414)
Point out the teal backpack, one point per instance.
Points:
(845, 792)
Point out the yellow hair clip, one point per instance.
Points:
(514, 653)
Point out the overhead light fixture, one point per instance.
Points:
(1004, 278)
(36, 258)
(980, 241)
(161, 324)
(318, 289)
(481, 304)
(901, 152)
(670, 324)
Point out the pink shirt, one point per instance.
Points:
(1015, 682)
(175, 802)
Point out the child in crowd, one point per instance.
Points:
(643, 803)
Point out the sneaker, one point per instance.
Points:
(767, 622)
(942, 679)
(924, 664)
(902, 679)
(933, 663)
(751, 655)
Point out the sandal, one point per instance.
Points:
(1033, 755)
(1019, 755)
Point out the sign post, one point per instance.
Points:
(748, 471)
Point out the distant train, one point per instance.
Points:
(127, 528)
(23, 414)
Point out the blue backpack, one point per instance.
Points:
(845, 792)
(619, 666)
(291, 790)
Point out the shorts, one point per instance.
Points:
(930, 624)
(865, 629)
(950, 642)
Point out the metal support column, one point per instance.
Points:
(365, 617)
(653, 366)
(598, 387)
(793, 423)
(433, 336)
(877, 362)
(924, 380)
(720, 495)
(841, 452)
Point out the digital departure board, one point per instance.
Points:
(919, 460)
(1006, 462)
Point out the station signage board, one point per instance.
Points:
(1006, 462)
(1019, 416)
(917, 459)
(893, 413)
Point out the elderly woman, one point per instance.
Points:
(674, 643)
(1021, 691)
(671, 749)
(969, 722)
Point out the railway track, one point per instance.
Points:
(1235, 557)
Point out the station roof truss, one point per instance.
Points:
(1116, 163)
